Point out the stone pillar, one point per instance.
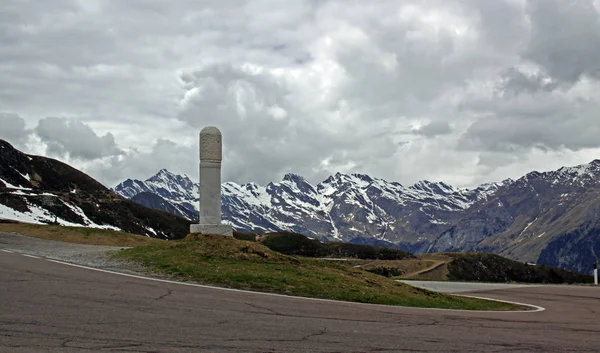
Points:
(211, 154)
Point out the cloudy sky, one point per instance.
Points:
(461, 91)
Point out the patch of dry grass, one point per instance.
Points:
(425, 267)
(78, 235)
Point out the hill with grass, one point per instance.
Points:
(250, 265)
(40, 190)
(476, 267)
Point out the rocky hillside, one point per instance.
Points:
(549, 218)
(37, 189)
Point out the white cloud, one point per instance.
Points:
(73, 138)
(464, 91)
(13, 127)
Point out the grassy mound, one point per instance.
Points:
(79, 235)
(297, 244)
(233, 263)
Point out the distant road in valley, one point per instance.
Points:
(48, 306)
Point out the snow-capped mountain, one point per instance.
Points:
(178, 191)
(343, 207)
(551, 217)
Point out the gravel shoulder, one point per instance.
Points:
(96, 256)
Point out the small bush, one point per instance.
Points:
(386, 271)
(247, 236)
(292, 244)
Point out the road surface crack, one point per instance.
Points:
(301, 339)
(169, 292)
(320, 333)
(262, 308)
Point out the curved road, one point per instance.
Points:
(48, 306)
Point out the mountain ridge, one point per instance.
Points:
(423, 217)
(275, 206)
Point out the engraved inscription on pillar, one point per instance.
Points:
(211, 148)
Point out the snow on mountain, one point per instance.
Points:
(178, 190)
(37, 214)
(506, 217)
(342, 207)
(582, 175)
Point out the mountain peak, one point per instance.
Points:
(164, 175)
(426, 184)
(363, 177)
(164, 172)
(294, 178)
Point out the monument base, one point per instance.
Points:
(218, 229)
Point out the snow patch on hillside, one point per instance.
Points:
(39, 215)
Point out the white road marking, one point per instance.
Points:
(8, 251)
(536, 308)
(34, 257)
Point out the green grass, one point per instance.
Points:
(233, 263)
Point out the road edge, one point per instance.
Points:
(535, 308)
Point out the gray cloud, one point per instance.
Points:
(433, 129)
(516, 81)
(545, 102)
(75, 139)
(265, 128)
(543, 120)
(13, 128)
(311, 87)
(138, 164)
(565, 38)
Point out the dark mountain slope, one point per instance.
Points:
(39, 190)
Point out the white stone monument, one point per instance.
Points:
(211, 154)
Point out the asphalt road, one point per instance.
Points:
(47, 306)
